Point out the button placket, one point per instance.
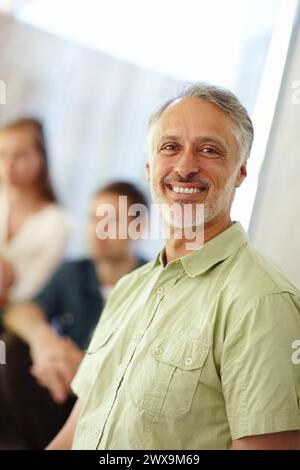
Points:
(137, 336)
(97, 434)
(160, 290)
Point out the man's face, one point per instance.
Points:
(112, 248)
(195, 150)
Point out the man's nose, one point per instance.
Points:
(186, 163)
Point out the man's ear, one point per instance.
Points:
(147, 170)
(241, 174)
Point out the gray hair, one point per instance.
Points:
(243, 128)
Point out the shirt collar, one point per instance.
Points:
(212, 252)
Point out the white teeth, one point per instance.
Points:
(178, 189)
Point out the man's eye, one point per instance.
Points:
(169, 147)
(209, 150)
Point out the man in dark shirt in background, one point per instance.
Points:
(46, 337)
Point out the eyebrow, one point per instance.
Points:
(202, 139)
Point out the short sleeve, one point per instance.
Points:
(260, 379)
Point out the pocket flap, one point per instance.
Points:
(185, 352)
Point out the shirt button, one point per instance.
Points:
(159, 350)
(160, 290)
(188, 361)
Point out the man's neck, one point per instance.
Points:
(110, 270)
(176, 248)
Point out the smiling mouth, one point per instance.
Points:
(186, 189)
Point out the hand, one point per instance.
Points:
(55, 362)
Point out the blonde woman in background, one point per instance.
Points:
(34, 229)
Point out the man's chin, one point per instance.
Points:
(181, 223)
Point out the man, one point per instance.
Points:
(194, 350)
(57, 325)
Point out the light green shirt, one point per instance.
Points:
(193, 354)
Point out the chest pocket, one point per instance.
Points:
(176, 368)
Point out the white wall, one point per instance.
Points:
(275, 224)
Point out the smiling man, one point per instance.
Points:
(194, 350)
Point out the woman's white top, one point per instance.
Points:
(36, 249)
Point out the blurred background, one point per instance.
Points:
(93, 70)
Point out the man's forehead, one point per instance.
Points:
(194, 110)
(194, 114)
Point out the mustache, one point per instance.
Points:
(176, 178)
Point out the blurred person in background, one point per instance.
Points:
(47, 336)
(34, 229)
